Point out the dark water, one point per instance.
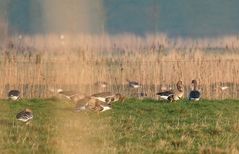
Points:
(187, 18)
(174, 17)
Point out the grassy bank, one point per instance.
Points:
(178, 127)
(33, 138)
(137, 126)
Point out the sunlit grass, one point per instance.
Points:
(185, 127)
(136, 126)
(35, 137)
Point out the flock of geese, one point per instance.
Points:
(103, 101)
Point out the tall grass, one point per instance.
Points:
(35, 64)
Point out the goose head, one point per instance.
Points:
(194, 84)
(28, 110)
(180, 86)
(59, 91)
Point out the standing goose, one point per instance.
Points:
(25, 115)
(194, 95)
(173, 95)
(14, 95)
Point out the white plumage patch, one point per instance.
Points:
(14, 97)
(102, 99)
(164, 97)
(105, 108)
(195, 99)
(224, 88)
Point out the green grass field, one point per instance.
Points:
(136, 126)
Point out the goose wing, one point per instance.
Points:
(101, 106)
(165, 94)
(24, 116)
(194, 95)
(103, 94)
(13, 93)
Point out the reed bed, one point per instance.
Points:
(34, 64)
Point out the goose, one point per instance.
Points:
(98, 102)
(14, 95)
(25, 115)
(224, 88)
(82, 104)
(133, 84)
(101, 84)
(194, 95)
(101, 107)
(173, 95)
(71, 95)
(107, 97)
(92, 104)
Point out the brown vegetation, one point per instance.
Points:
(35, 64)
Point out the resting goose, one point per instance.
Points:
(98, 102)
(71, 95)
(107, 97)
(194, 95)
(14, 95)
(224, 88)
(24, 115)
(92, 104)
(101, 84)
(134, 84)
(173, 95)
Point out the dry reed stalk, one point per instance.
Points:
(80, 61)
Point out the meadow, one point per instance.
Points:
(37, 64)
(136, 126)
